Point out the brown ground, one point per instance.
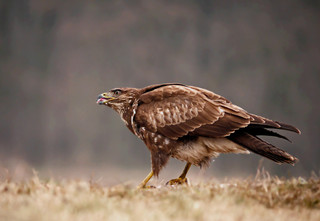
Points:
(262, 198)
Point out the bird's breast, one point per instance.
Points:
(156, 141)
(195, 150)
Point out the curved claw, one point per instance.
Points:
(178, 181)
(140, 187)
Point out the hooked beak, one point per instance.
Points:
(104, 98)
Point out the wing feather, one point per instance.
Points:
(224, 126)
(177, 110)
(263, 122)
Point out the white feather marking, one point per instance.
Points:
(174, 117)
(134, 113)
(121, 112)
(160, 118)
(152, 120)
(199, 150)
(133, 124)
(142, 131)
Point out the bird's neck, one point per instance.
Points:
(126, 114)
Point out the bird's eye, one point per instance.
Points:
(117, 92)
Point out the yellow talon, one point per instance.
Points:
(140, 187)
(182, 178)
(178, 181)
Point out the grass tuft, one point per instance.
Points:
(261, 198)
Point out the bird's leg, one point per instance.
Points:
(143, 184)
(182, 178)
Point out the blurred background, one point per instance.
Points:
(57, 56)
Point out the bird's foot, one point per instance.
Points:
(178, 181)
(140, 187)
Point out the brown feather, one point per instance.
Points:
(267, 123)
(288, 127)
(193, 124)
(264, 121)
(262, 148)
(178, 111)
(259, 131)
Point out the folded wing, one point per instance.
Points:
(176, 111)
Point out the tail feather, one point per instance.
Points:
(262, 148)
(259, 121)
(260, 131)
(288, 127)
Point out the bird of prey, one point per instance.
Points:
(193, 125)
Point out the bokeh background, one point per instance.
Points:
(57, 56)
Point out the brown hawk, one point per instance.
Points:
(193, 125)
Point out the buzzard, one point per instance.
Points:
(193, 125)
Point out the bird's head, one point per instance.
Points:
(118, 98)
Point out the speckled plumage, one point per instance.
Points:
(192, 124)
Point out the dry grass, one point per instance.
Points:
(262, 198)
